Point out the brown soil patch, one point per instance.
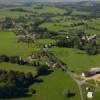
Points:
(95, 77)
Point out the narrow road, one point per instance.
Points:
(79, 83)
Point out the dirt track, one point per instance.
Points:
(95, 77)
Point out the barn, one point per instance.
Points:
(92, 72)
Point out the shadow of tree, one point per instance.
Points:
(44, 73)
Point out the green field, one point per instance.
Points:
(13, 14)
(15, 67)
(49, 9)
(76, 60)
(10, 46)
(55, 81)
(75, 12)
(53, 87)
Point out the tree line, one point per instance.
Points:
(14, 84)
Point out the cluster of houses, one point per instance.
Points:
(26, 36)
(51, 64)
(84, 37)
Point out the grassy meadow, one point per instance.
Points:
(10, 46)
(52, 86)
(76, 60)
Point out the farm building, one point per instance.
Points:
(92, 72)
(90, 95)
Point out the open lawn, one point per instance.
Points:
(76, 60)
(12, 14)
(15, 14)
(49, 9)
(16, 67)
(79, 13)
(93, 26)
(10, 46)
(65, 24)
(53, 87)
(52, 27)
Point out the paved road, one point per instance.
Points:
(79, 83)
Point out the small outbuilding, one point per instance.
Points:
(90, 95)
(83, 74)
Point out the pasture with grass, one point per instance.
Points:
(47, 50)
